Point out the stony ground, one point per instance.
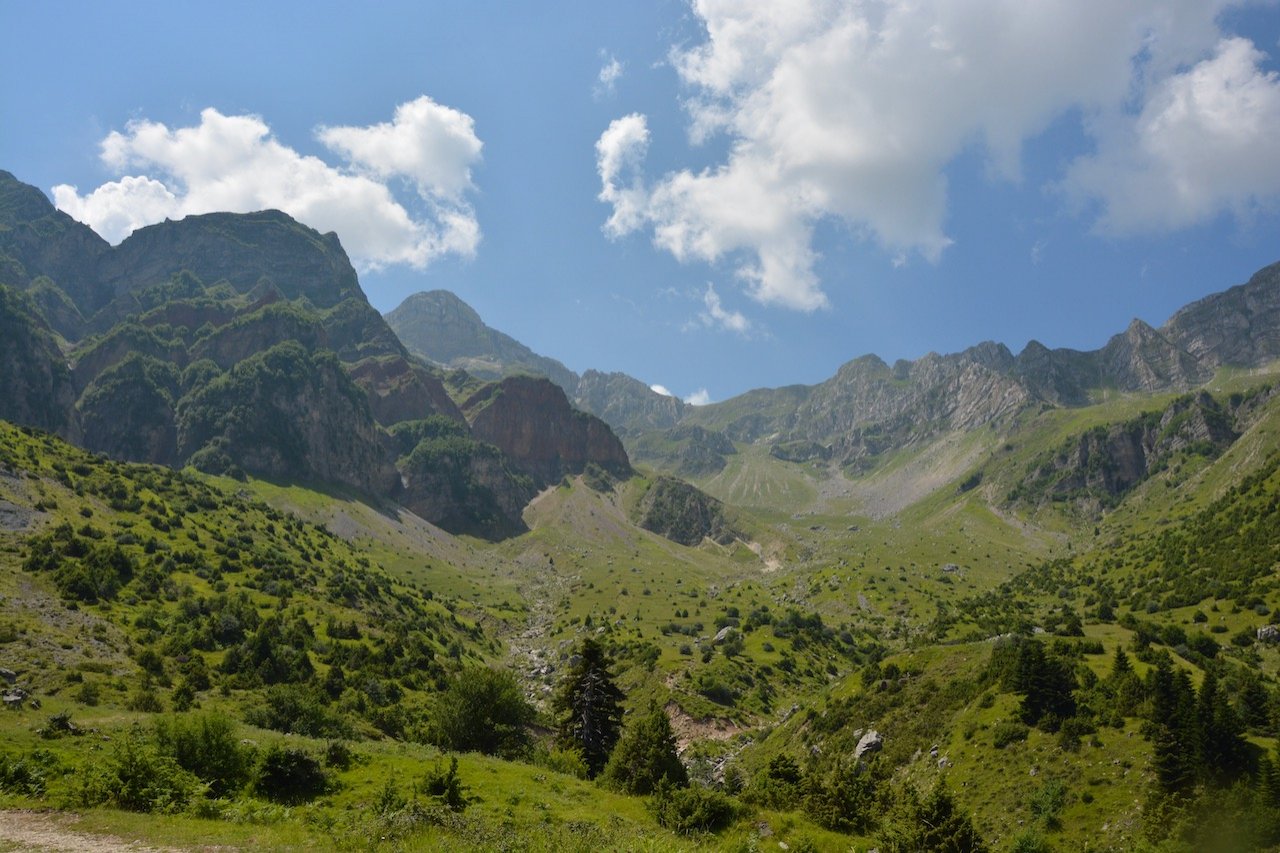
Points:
(33, 830)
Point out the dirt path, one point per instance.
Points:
(31, 830)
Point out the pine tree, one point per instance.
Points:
(929, 823)
(1124, 685)
(589, 707)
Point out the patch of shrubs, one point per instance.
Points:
(692, 809)
(1006, 732)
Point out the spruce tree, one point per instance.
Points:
(588, 707)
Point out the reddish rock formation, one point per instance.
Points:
(531, 421)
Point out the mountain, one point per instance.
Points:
(242, 343)
(869, 407)
(442, 329)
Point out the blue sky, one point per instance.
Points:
(710, 196)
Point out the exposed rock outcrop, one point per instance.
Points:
(531, 421)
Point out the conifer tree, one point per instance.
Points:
(589, 707)
(646, 756)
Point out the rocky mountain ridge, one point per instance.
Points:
(869, 406)
(243, 343)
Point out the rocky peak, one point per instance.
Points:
(626, 402)
(440, 327)
(1240, 326)
(1142, 359)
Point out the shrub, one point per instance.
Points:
(445, 786)
(288, 775)
(207, 746)
(297, 709)
(842, 799)
(692, 809)
(559, 760)
(27, 775)
(1006, 732)
(929, 822)
(483, 710)
(136, 777)
(777, 786)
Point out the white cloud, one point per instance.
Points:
(433, 145)
(717, 315)
(661, 389)
(234, 163)
(698, 398)
(607, 80)
(619, 151)
(852, 110)
(1204, 142)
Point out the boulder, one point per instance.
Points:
(872, 741)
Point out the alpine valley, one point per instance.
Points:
(278, 572)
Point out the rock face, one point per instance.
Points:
(688, 450)
(461, 484)
(869, 407)
(399, 390)
(286, 413)
(530, 420)
(1103, 464)
(1240, 326)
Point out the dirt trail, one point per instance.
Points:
(31, 830)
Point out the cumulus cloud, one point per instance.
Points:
(234, 163)
(607, 80)
(661, 389)
(431, 144)
(852, 110)
(619, 152)
(698, 398)
(1204, 142)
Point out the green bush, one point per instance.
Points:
(692, 809)
(483, 710)
(778, 785)
(206, 745)
(843, 798)
(137, 778)
(288, 775)
(645, 757)
(567, 761)
(298, 709)
(27, 775)
(445, 786)
(1006, 732)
